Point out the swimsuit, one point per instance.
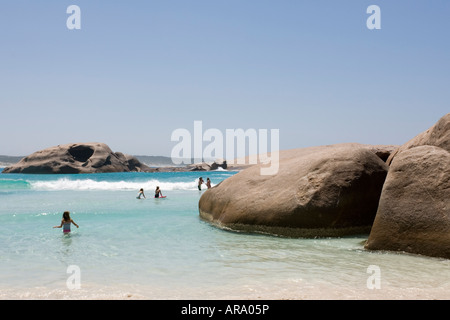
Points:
(66, 227)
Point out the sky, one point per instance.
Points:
(136, 71)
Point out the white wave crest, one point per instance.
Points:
(89, 184)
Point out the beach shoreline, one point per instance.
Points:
(286, 290)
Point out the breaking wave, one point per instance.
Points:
(89, 184)
(8, 184)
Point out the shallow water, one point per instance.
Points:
(127, 248)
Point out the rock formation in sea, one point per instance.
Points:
(318, 191)
(414, 209)
(77, 158)
(204, 166)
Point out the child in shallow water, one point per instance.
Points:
(66, 222)
(158, 193)
(141, 194)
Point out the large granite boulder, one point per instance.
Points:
(77, 158)
(318, 191)
(414, 210)
(438, 135)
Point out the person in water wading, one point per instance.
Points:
(158, 192)
(141, 194)
(66, 222)
(200, 182)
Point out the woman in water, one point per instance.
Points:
(66, 222)
(158, 192)
(200, 182)
(141, 194)
(208, 183)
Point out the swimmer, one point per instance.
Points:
(200, 182)
(141, 194)
(158, 192)
(66, 222)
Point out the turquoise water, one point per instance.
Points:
(127, 248)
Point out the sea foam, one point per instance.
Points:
(89, 184)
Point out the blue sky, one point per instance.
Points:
(138, 70)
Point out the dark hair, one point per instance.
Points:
(66, 215)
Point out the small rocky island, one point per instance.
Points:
(74, 158)
(96, 157)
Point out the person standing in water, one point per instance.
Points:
(158, 192)
(208, 183)
(141, 194)
(66, 222)
(200, 182)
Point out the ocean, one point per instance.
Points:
(126, 248)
